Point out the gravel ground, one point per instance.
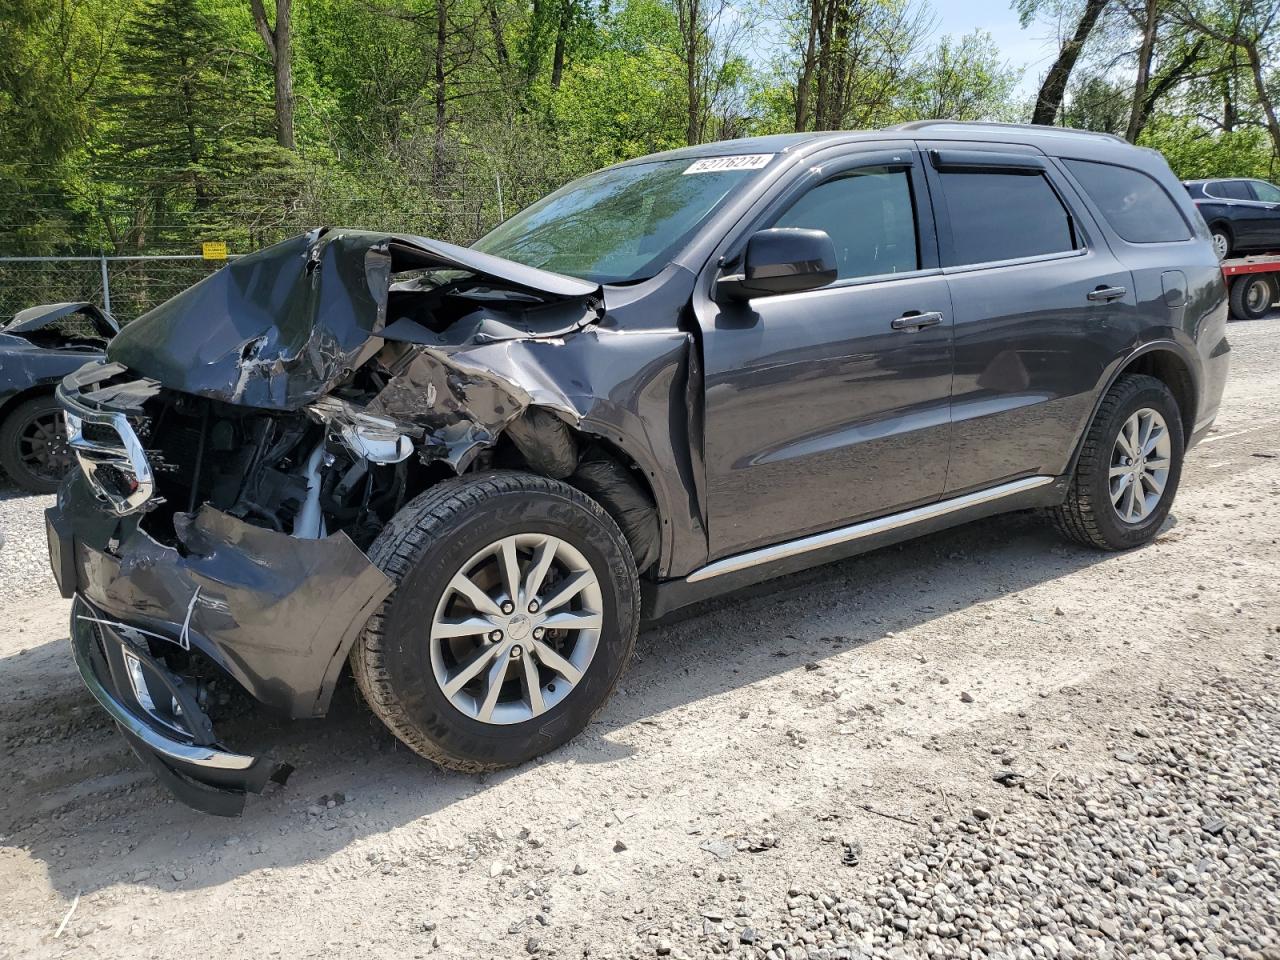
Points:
(24, 560)
(1174, 851)
(982, 743)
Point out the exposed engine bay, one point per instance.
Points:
(314, 387)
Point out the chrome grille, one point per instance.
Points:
(109, 453)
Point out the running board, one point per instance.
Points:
(868, 528)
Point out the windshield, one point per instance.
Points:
(623, 224)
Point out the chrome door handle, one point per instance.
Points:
(913, 321)
(1106, 294)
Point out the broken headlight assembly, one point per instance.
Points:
(367, 437)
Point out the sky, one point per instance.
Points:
(1032, 49)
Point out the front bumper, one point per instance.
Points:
(275, 613)
(158, 714)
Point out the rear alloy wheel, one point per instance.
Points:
(515, 611)
(1252, 295)
(33, 445)
(1128, 470)
(1140, 462)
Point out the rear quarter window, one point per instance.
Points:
(1135, 205)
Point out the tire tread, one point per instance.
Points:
(1077, 517)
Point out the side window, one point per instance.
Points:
(1004, 216)
(870, 218)
(1231, 190)
(1134, 204)
(1266, 192)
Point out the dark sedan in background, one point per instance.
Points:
(39, 347)
(1243, 214)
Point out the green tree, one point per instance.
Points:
(961, 80)
(184, 121)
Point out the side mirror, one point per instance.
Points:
(782, 260)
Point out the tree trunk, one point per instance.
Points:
(825, 54)
(533, 46)
(562, 32)
(442, 23)
(1264, 97)
(1145, 54)
(1167, 81)
(690, 29)
(499, 39)
(279, 43)
(1054, 88)
(806, 68)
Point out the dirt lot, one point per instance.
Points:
(807, 772)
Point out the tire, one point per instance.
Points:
(25, 436)
(1089, 516)
(1252, 295)
(438, 535)
(1222, 242)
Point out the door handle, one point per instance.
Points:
(1106, 294)
(914, 320)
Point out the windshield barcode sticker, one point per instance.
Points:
(745, 161)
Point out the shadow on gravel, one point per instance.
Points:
(81, 804)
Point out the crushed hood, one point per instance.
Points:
(73, 321)
(280, 328)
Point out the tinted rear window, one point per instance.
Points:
(1004, 216)
(1134, 204)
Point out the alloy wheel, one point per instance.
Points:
(1221, 245)
(1140, 462)
(516, 628)
(43, 447)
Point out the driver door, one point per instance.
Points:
(823, 407)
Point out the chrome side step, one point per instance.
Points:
(868, 528)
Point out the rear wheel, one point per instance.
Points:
(33, 445)
(515, 611)
(1129, 468)
(1252, 295)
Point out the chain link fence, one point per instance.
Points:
(128, 286)
(125, 287)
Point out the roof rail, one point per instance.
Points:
(990, 124)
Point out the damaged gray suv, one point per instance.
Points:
(470, 473)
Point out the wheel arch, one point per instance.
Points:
(14, 400)
(1220, 222)
(1165, 361)
(546, 445)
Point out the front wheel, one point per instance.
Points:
(1128, 470)
(33, 445)
(515, 611)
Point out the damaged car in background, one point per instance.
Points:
(39, 347)
(467, 474)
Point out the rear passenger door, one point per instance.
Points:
(1032, 287)
(1244, 214)
(1267, 195)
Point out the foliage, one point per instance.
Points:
(150, 125)
(1195, 152)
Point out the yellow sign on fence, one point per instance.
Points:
(214, 249)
